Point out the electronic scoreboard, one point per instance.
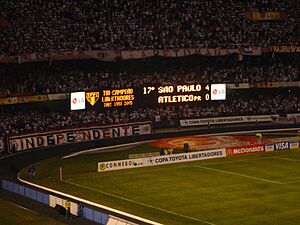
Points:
(152, 95)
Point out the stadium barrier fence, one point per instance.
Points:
(79, 207)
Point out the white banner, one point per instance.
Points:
(294, 116)
(284, 120)
(238, 86)
(1, 145)
(112, 55)
(161, 160)
(226, 120)
(53, 138)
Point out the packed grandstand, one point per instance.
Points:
(103, 85)
(253, 47)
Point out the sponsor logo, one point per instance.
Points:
(92, 97)
(294, 145)
(282, 145)
(245, 150)
(102, 166)
(269, 147)
(77, 100)
(229, 151)
(218, 92)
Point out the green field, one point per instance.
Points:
(248, 189)
(11, 214)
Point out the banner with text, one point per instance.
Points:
(248, 149)
(160, 160)
(46, 139)
(285, 49)
(263, 16)
(1, 145)
(113, 55)
(284, 145)
(226, 120)
(23, 99)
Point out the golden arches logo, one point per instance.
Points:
(92, 97)
(229, 151)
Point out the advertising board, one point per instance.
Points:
(227, 120)
(77, 100)
(248, 149)
(294, 144)
(218, 92)
(1, 145)
(161, 160)
(284, 145)
(269, 147)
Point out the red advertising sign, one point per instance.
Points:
(248, 149)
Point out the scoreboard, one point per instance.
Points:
(178, 93)
(149, 96)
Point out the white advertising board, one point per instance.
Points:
(77, 100)
(67, 136)
(218, 92)
(226, 120)
(161, 160)
(1, 145)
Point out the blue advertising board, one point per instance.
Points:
(284, 145)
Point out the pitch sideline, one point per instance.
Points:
(239, 174)
(139, 203)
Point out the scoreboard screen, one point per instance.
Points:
(155, 95)
(178, 93)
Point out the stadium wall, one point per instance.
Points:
(90, 210)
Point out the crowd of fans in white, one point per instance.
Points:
(39, 26)
(65, 77)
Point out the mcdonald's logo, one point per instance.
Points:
(92, 97)
(229, 151)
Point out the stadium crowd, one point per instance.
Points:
(65, 77)
(17, 121)
(41, 26)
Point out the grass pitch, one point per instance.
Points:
(248, 189)
(17, 215)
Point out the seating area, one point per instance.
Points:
(162, 24)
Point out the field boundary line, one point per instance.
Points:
(292, 182)
(21, 207)
(103, 207)
(287, 159)
(238, 160)
(239, 174)
(139, 203)
(108, 173)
